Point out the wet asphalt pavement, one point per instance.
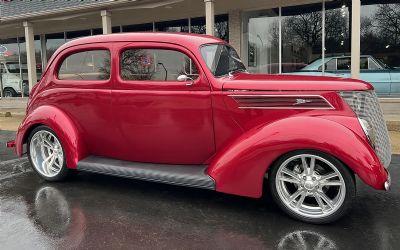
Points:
(95, 211)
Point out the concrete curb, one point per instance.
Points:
(393, 125)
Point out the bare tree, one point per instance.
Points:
(387, 22)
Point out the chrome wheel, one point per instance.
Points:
(310, 186)
(46, 153)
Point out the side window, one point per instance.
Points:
(373, 64)
(343, 63)
(87, 65)
(156, 65)
(330, 65)
(363, 63)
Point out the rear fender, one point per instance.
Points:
(241, 166)
(61, 124)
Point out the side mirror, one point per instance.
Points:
(185, 78)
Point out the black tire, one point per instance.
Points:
(347, 175)
(9, 92)
(64, 172)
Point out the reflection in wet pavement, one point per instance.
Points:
(95, 211)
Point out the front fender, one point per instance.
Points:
(241, 166)
(62, 125)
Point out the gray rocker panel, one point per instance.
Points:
(182, 175)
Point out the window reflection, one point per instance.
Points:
(380, 32)
(173, 26)
(301, 36)
(145, 27)
(77, 34)
(87, 65)
(156, 65)
(53, 42)
(198, 26)
(263, 42)
(337, 29)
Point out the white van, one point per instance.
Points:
(10, 79)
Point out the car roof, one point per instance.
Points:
(167, 37)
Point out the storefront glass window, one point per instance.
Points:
(222, 27)
(116, 29)
(301, 36)
(76, 34)
(173, 26)
(98, 31)
(380, 32)
(10, 75)
(53, 42)
(263, 42)
(337, 29)
(145, 27)
(198, 26)
(38, 56)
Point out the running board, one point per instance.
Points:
(182, 175)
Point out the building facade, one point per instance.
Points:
(272, 36)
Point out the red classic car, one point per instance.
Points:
(182, 109)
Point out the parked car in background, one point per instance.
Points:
(385, 80)
(10, 79)
(181, 109)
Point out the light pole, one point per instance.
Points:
(261, 50)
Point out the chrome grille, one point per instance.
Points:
(366, 105)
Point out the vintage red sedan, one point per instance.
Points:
(182, 109)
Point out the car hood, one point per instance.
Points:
(246, 81)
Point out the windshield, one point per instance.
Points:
(221, 59)
(14, 68)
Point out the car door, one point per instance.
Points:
(395, 82)
(372, 72)
(82, 83)
(161, 119)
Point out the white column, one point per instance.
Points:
(235, 30)
(210, 17)
(106, 21)
(355, 38)
(30, 54)
(323, 37)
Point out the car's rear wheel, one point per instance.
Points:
(46, 154)
(312, 186)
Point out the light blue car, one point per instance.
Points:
(386, 80)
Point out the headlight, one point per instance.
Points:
(369, 131)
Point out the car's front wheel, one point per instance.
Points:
(312, 186)
(46, 154)
(9, 92)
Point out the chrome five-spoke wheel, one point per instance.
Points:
(312, 186)
(46, 154)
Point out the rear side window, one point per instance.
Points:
(344, 64)
(89, 65)
(156, 65)
(330, 65)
